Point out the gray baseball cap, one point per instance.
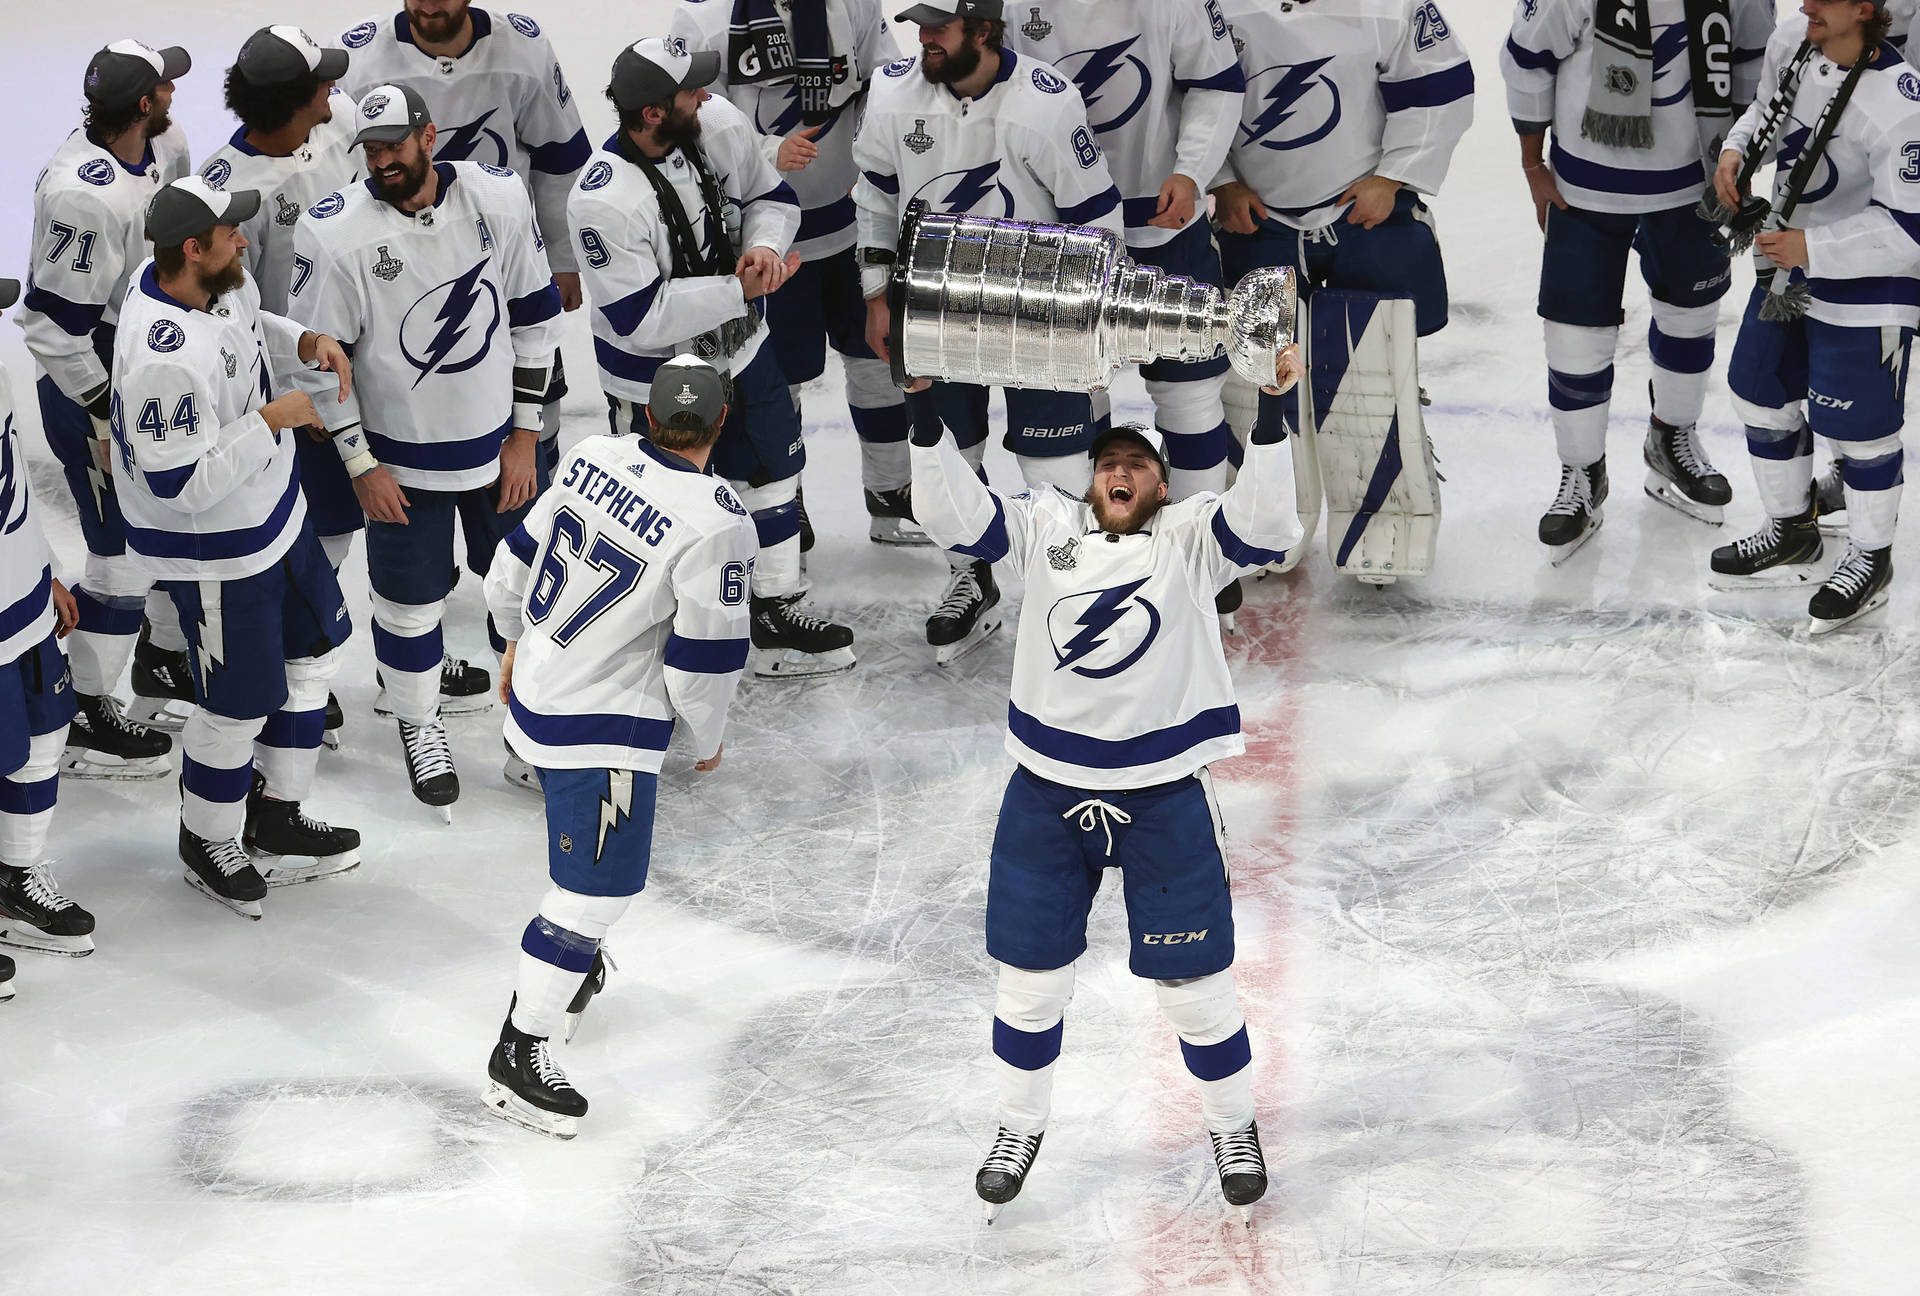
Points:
(276, 55)
(119, 74)
(656, 69)
(9, 292)
(936, 15)
(687, 394)
(390, 113)
(1151, 438)
(190, 207)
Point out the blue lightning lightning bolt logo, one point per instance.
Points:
(616, 805)
(10, 484)
(455, 320)
(969, 191)
(1095, 621)
(1281, 100)
(1092, 69)
(457, 143)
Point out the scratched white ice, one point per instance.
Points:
(1576, 913)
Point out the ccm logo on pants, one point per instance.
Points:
(1172, 938)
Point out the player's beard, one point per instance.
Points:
(1121, 519)
(678, 131)
(951, 67)
(411, 181)
(158, 124)
(437, 28)
(218, 283)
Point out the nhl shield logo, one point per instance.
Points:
(1621, 80)
(1036, 28)
(706, 346)
(685, 395)
(284, 212)
(917, 139)
(1064, 557)
(387, 268)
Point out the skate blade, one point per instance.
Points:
(330, 739)
(1786, 576)
(1659, 488)
(476, 704)
(510, 1107)
(160, 713)
(6, 991)
(1833, 524)
(983, 630)
(1228, 626)
(277, 874)
(1558, 554)
(993, 1210)
(35, 941)
(897, 533)
(1376, 579)
(1817, 626)
(787, 663)
(83, 763)
(245, 908)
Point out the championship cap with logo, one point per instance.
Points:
(277, 55)
(656, 69)
(938, 15)
(126, 69)
(687, 394)
(390, 113)
(189, 207)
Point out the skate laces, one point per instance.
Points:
(1095, 813)
(963, 589)
(1574, 494)
(427, 749)
(451, 665)
(43, 890)
(229, 856)
(795, 613)
(543, 1066)
(1685, 448)
(114, 717)
(1239, 1152)
(1852, 573)
(1011, 1153)
(1767, 537)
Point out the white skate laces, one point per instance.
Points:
(427, 748)
(1573, 496)
(797, 615)
(1685, 445)
(1011, 1154)
(1852, 573)
(963, 590)
(1238, 1153)
(1095, 813)
(229, 856)
(1766, 538)
(114, 714)
(43, 890)
(543, 1066)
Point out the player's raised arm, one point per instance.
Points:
(959, 510)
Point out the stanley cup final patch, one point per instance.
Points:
(917, 139)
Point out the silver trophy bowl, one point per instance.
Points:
(1008, 303)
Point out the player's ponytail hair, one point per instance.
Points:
(681, 437)
(1875, 29)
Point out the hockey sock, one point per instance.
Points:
(1782, 465)
(880, 421)
(26, 799)
(1680, 344)
(408, 645)
(1072, 473)
(1027, 1026)
(776, 520)
(216, 773)
(1205, 1013)
(111, 596)
(1194, 421)
(1580, 389)
(288, 748)
(1872, 473)
(556, 953)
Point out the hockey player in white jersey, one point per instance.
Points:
(293, 149)
(36, 705)
(624, 597)
(1824, 343)
(799, 73)
(88, 207)
(1121, 699)
(214, 513)
(970, 126)
(1630, 157)
(435, 274)
(683, 226)
(1162, 88)
(1352, 112)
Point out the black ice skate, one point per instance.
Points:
(278, 829)
(965, 617)
(806, 523)
(336, 719)
(789, 642)
(35, 916)
(1242, 1166)
(222, 872)
(1830, 501)
(162, 685)
(1679, 476)
(1004, 1172)
(1857, 586)
(1575, 513)
(1784, 551)
(465, 689)
(430, 766)
(6, 978)
(596, 982)
(527, 1088)
(102, 743)
(890, 518)
(1227, 602)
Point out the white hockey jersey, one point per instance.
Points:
(504, 102)
(1119, 679)
(1338, 90)
(26, 564)
(440, 306)
(1902, 12)
(626, 591)
(641, 314)
(825, 185)
(1022, 151)
(1548, 67)
(89, 232)
(208, 490)
(1861, 207)
(1161, 85)
(287, 186)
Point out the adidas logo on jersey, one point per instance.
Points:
(917, 139)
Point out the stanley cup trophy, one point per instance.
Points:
(1006, 303)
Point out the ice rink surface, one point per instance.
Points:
(1576, 915)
